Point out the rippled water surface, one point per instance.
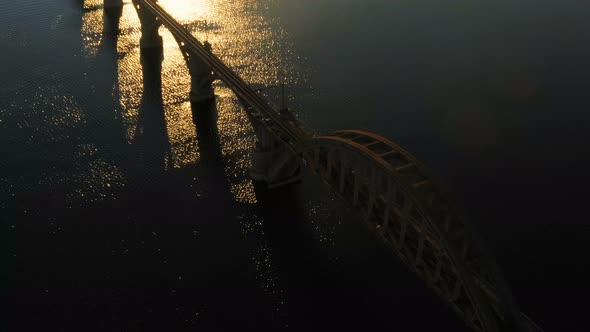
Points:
(134, 209)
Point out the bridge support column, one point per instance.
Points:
(275, 167)
(201, 76)
(273, 164)
(150, 38)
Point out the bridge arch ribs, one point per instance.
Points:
(400, 203)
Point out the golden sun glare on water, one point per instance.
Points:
(184, 10)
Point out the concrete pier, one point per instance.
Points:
(201, 76)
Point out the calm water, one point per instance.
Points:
(134, 210)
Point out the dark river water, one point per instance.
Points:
(125, 208)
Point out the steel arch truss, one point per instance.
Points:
(401, 205)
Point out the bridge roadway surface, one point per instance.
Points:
(395, 196)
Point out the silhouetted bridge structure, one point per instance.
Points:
(392, 191)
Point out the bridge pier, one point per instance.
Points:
(273, 164)
(150, 38)
(201, 75)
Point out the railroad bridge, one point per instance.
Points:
(396, 198)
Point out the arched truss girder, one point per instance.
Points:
(402, 206)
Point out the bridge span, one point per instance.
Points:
(390, 189)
